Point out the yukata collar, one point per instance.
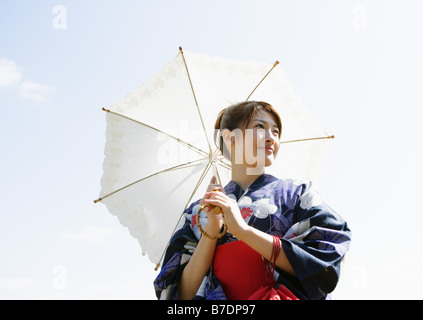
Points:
(235, 189)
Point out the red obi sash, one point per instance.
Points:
(244, 275)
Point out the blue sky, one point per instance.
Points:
(357, 65)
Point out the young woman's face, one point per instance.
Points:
(265, 136)
(257, 145)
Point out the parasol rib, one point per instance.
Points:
(225, 165)
(203, 175)
(195, 99)
(308, 139)
(178, 167)
(273, 67)
(190, 146)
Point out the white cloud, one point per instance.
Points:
(35, 91)
(11, 75)
(97, 235)
(9, 72)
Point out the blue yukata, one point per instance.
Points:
(314, 238)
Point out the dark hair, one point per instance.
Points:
(239, 116)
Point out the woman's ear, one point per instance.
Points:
(227, 136)
(227, 142)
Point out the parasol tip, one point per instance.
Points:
(104, 109)
(180, 49)
(276, 63)
(157, 267)
(99, 199)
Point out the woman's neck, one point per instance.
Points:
(243, 177)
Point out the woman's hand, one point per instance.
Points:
(202, 258)
(258, 240)
(231, 214)
(214, 221)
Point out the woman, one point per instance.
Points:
(283, 241)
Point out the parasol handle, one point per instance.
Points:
(216, 210)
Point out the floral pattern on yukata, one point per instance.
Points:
(313, 236)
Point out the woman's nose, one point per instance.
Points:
(270, 138)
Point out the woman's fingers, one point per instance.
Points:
(215, 195)
(218, 199)
(213, 185)
(209, 194)
(215, 202)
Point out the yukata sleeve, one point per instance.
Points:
(316, 243)
(178, 253)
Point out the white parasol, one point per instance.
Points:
(160, 153)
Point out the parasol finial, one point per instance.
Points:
(273, 67)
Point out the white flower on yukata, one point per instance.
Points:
(311, 198)
(264, 208)
(193, 219)
(298, 231)
(260, 208)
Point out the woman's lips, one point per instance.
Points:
(269, 149)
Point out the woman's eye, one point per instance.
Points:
(260, 126)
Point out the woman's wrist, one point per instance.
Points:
(212, 228)
(242, 232)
